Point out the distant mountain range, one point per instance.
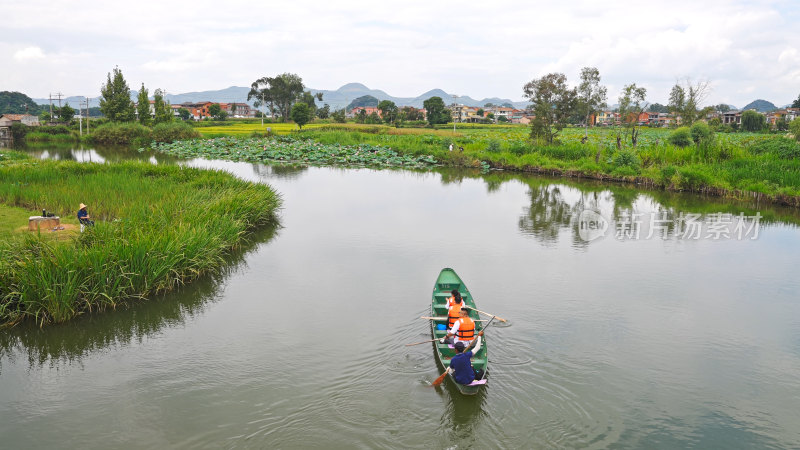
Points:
(342, 97)
(336, 99)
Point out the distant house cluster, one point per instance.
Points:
(465, 114)
(199, 110)
(476, 114)
(733, 117)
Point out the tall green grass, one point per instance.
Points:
(156, 228)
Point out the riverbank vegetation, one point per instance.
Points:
(156, 227)
(693, 159)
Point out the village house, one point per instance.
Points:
(368, 110)
(6, 120)
(732, 117)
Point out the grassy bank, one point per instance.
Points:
(732, 165)
(156, 228)
(738, 165)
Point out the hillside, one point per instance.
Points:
(760, 106)
(18, 103)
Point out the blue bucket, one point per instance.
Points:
(441, 326)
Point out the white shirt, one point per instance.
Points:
(454, 332)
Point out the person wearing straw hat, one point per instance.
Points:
(83, 217)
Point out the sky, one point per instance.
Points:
(744, 49)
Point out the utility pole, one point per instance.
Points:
(80, 115)
(51, 107)
(454, 112)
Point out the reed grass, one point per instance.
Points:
(157, 227)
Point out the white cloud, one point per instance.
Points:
(478, 50)
(28, 53)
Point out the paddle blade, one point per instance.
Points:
(439, 380)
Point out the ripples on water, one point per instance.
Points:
(608, 345)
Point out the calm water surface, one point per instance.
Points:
(611, 343)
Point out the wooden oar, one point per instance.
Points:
(485, 313)
(439, 380)
(445, 318)
(423, 342)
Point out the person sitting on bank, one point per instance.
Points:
(461, 363)
(462, 331)
(83, 217)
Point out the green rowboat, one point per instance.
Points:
(446, 282)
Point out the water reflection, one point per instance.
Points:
(97, 154)
(279, 171)
(130, 323)
(558, 208)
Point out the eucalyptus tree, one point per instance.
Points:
(553, 102)
(591, 95)
(685, 100)
(631, 106)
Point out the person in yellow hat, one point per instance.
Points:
(83, 217)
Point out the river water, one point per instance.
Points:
(669, 338)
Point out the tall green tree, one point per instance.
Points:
(65, 113)
(184, 114)
(324, 112)
(339, 116)
(411, 113)
(311, 100)
(436, 111)
(279, 93)
(115, 99)
(553, 102)
(388, 111)
(301, 114)
(591, 95)
(796, 103)
(143, 106)
(216, 112)
(163, 110)
(631, 105)
(753, 121)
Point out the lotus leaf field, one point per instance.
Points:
(285, 149)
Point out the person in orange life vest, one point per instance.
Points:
(461, 363)
(462, 331)
(454, 309)
(453, 295)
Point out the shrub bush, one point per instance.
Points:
(794, 127)
(121, 134)
(55, 129)
(702, 135)
(493, 147)
(626, 158)
(174, 131)
(681, 137)
(519, 148)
